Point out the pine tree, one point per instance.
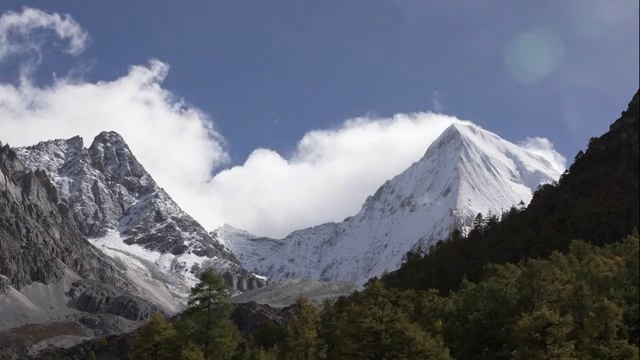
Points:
(155, 339)
(479, 223)
(191, 352)
(207, 318)
(410, 342)
(301, 339)
(328, 331)
(543, 334)
(377, 326)
(268, 335)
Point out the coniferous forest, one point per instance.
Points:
(557, 279)
(579, 305)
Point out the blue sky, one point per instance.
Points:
(268, 72)
(280, 79)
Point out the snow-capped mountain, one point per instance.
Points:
(123, 212)
(466, 171)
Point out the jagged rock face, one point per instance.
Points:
(40, 242)
(108, 190)
(466, 171)
(92, 296)
(38, 237)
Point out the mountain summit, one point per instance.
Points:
(122, 210)
(466, 171)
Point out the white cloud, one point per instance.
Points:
(16, 31)
(175, 143)
(326, 179)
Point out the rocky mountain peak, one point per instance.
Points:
(457, 130)
(452, 137)
(42, 247)
(111, 156)
(75, 143)
(118, 205)
(109, 137)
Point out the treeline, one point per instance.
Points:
(579, 305)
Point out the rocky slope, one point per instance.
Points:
(49, 272)
(38, 238)
(122, 210)
(466, 171)
(287, 292)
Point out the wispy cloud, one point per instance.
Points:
(16, 29)
(544, 147)
(436, 101)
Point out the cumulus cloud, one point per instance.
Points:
(326, 179)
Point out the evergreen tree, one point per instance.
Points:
(191, 352)
(378, 327)
(155, 339)
(328, 331)
(543, 335)
(479, 223)
(207, 318)
(268, 335)
(301, 340)
(601, 335)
